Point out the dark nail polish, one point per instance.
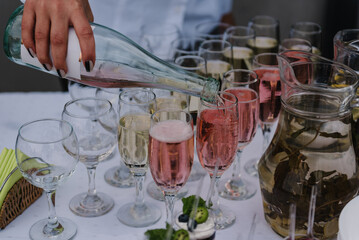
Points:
(88, 66)
(31, 52)
(61, 73)
(44, 65)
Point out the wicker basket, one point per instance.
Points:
(21, 195)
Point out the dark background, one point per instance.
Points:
(332, 15)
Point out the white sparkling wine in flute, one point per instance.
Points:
(216, 68)
(120, 63)
(133, 134)
(263, 45)
(242, 57)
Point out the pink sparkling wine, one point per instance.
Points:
(217, 138)
(248, 110)
(171, 150)
(269, 94)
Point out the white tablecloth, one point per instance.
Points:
(18, 108)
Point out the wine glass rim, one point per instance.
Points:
(274, 23)
(245, 101)
(200, 59)
(201, 49)
(188, 121)
(63, 137)
(250, 32)
(255, 60)
(87, 116)
(305, 23)
(340, 44)
(214, 105)
(137, 103)
(255, 76)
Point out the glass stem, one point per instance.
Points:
(169, 200)
(140, 192)
(214, 198)
(91, 171)
(53, 227)
(237, 166)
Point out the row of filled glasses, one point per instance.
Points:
(48, 150)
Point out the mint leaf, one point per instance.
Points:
(188, 204)
(158, 234)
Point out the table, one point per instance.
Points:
(18, 108)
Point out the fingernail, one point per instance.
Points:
(31, 52)
(47, 66)
(61, 73)
(88, 65)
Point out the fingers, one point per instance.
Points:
(42, 36)
(86, 39)
(58, 43)
(27, 29)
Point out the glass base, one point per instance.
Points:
(68, 230)
(91, 206)
(224, 218)
(144, 216)
(156, 193)
(197, 172)
(119, 177)
(236, 189)
(251, 167)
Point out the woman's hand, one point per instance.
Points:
(46, 23)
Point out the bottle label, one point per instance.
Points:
(73, 60)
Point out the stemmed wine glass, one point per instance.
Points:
(218, 56)
(96, 129)
(217, 139)
(265, 65)
(168, 99)
(309, 31)
(135, 109)
(244, 85)
(266, 30)
(171, 151)
(41, 150)
(119, 176)
(239, 37)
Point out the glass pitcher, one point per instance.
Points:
(312, 145)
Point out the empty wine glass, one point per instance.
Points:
(239, 37)
(96, 129)
(135, 108)
(244, 85)
(266, 30)
(171, 151)
(217, 139)
(41, 150)
(265, 65)
(120, 175)
(309, 31)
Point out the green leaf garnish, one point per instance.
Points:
(161, 233)
(188, 204)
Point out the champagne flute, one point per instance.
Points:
(244, 85)
(239, 37)
(167, 99)
(218, 55)
(266, 30)
(135, 108)
(265, 65)
(211, 30)
(96, 128)
(41, 154)
(119, 176)
(309, 31)
(217, 139)
(171, 151)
